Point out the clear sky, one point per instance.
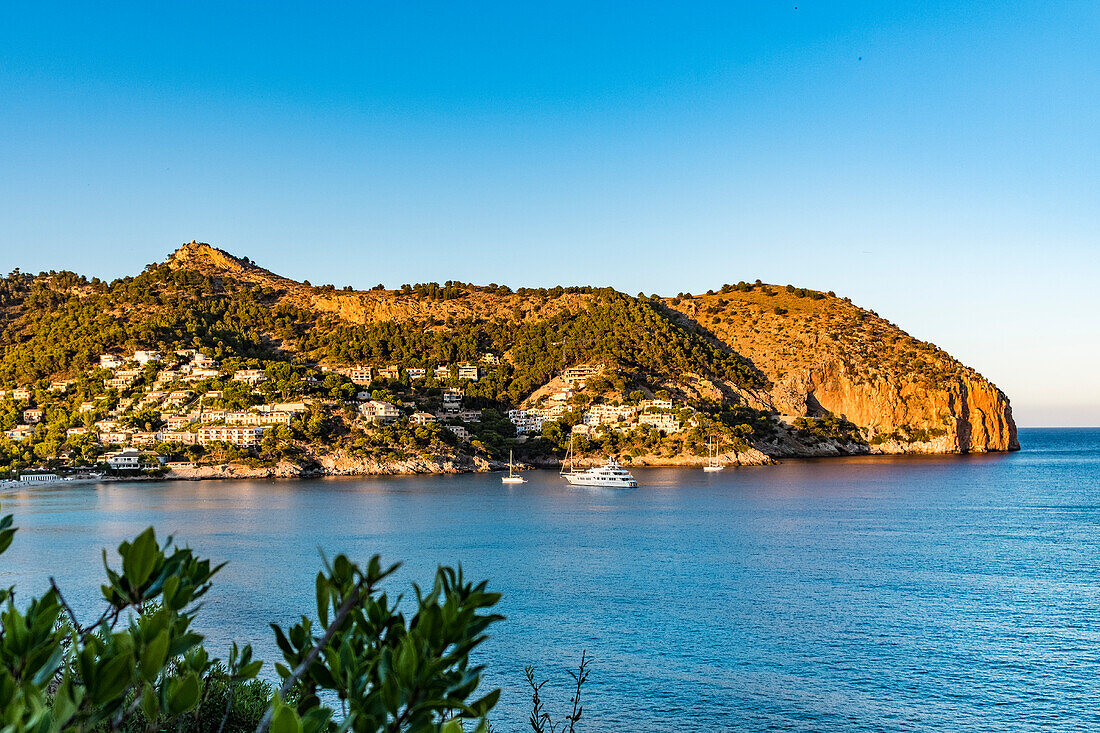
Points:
(938, 162)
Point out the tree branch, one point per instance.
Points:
(65, 605)
(341, 614)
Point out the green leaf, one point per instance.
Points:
(282, 642)
(149, 704)
(113, 678)
(6, 537)
(485, 704)
(322, 599)
(49, 667)
(183, 693)
(140, 559)
(182, 643)
(285, 720)
(153, 656)
(249, 671)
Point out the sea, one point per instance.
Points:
(852, 594)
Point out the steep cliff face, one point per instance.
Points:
(960, 414)
(825, 355)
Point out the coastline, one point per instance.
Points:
(338, 465)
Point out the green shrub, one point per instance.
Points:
(140, 666)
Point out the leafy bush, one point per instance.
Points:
(140, 666)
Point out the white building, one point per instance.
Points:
(129, 460)
(459, 432)
(258, 418)
(242, 435)
(186, 438)
(291, 407)
(110, 361)
(452, 399)
(379, 411)
(252, 376)
(360, 375)
(31, 478)
(144, 357)
(422, 418)
(526, 421)
(666, 422)
(178, 422)
(32, 416)
(468, 371)
(416, 372)
(20, 432)
(21, 393)
(178, 397)
(608, 414)
(146, 438)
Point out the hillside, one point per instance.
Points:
(775, 370)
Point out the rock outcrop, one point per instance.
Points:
(825, 355)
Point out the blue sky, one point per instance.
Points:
(936, 161)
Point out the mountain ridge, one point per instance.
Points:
(796, 353)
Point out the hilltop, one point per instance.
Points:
(774, 370)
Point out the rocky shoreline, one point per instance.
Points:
(342, 464)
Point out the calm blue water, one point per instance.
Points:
(957, 593)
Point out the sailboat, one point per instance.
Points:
(611, 475)
(512, 478)
(712, 463)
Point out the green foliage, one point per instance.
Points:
(141, 667)
(828, 427)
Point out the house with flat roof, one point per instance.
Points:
(379, 411)
(132, 460)
(20, 432)
(241, 435)
(38, 477)
(459, 432)
(252, 376)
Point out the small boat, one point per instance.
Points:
(712, 463)
(611, 475)
(512, 478)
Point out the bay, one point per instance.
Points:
(957, 592)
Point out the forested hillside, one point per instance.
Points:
(792, 371)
